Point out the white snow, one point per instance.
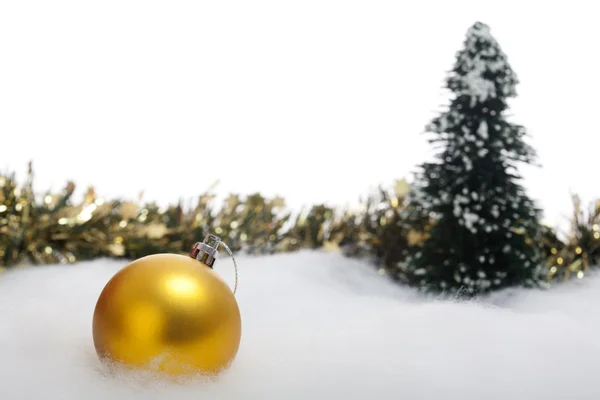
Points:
(317, 326)
(482, 130)
(479, 88)
(470, 219)
(476, 62)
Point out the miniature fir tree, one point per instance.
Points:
(482, 227)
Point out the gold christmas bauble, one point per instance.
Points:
(168, 313)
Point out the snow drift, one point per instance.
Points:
(316, 326)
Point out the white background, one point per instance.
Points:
(313, 100)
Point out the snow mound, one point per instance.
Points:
(316, 326)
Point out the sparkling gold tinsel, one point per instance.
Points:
(581, 250)
(53, 228)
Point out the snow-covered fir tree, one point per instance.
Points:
(483, 230)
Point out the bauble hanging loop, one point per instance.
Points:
(208, 250)
(170, 313)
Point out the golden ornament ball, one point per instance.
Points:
(169, 313)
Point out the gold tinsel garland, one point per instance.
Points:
(55, 229)
(581, 251)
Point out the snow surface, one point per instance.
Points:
(316, 326)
